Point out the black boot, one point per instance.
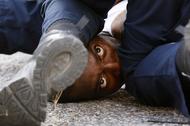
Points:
(23, 100)
(62, 56)
(57, 62)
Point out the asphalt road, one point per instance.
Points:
(121, 109)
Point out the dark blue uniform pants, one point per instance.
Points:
(20, 26)
(148, 50)
(21, 22)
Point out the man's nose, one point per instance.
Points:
(112, 67)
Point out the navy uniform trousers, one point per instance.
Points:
(152, 36)
(148, 49)
(22, 22)
(20, 26)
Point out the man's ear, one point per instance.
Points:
(117, 26)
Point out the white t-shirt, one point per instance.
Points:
(113, 13)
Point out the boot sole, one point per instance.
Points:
(61, 60)
(56, 65)
(22, 102)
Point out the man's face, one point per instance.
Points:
(101, 75)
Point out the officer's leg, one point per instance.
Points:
(20, 26)
(59, 59)
(156, 80)
(67, 28)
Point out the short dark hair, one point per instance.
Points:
(107, 36)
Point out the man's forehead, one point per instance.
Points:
(102, 38)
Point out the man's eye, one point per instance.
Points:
(102, 82)
(99, 50)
